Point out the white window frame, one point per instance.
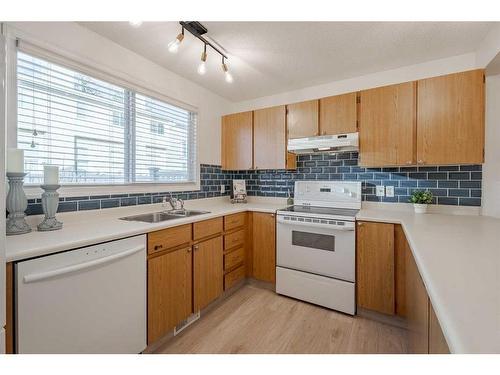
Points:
(59, 57)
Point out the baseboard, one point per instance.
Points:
(393, 320)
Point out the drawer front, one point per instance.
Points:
(234, 239)
(207, 228)
(234, 258)
(234, 221)
(169, 238)
(233, 277)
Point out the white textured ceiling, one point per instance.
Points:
(267, 58)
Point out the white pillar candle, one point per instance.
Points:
(50, 175)
(15, 160)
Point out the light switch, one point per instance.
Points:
(222, 189)
(389, 191)
(380, 191)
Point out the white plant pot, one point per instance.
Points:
(420, 208)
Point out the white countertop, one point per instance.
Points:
(85, 228)
(458, 257)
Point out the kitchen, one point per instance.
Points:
(160, 202)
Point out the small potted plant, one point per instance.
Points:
(421, 199)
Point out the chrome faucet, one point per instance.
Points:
(176, 202)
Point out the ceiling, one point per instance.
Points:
(267, 58)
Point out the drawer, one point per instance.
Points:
(234, 258)
(234, 239)
(207, 228)
(234, 221)
(233, 277)
(169, 238)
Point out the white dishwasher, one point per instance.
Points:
(88, 300)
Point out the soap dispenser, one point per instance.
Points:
(289, 200)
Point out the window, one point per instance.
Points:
(98, 132)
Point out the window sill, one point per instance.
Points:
(34, 191)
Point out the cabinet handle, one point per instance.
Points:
(420, 162)
(360, 224)
(272, 215)
(157, 247)
(196, 247)
(188, 249)
(408, 162)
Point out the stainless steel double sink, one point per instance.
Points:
(156, 217)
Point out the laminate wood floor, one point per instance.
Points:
(255, 320)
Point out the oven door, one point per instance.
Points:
(322, 247)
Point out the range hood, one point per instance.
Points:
(324, 143)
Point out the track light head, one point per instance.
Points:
(135, 23)
(173, 46)
(228, 76)
(202, 68)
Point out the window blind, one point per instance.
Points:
(98, 132)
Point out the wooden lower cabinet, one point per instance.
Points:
(264, 246)
(401, 248)
(208, 272)
(437, 342)
(375, 267)
(417, 309)
(169, 291)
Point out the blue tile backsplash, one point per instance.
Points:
(451, 185)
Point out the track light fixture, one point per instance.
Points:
(202, 68)
(228, 76)
(197, 30)
(173, 46)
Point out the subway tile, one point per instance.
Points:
(458, 192)
(470, 184)
(89, 205)
(448, 201)
(447, 184)
(67, 206)
(469, 202)
(459, 175)
(448, 168)
(437, 175)
(109, 203)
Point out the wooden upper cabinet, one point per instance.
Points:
(337, 114)
(208, 272)
(375, 267)
(303, 119)
(264, 246)
(236, 133)
(451, 119)
(169, 291)
(387, 125)
(269, 138)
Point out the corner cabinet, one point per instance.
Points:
(270, 139)
(451, 119)
(236, 141)
(387, 127)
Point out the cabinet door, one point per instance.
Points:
(437, 342)
(303, 119)
(401, 247)
(337, 114)
(237, 141)
(387, 127)
(417, 309)
(264, 246)
(375, 267)
(450, 121)
(269, 138)
(169, 291)
(208, 272)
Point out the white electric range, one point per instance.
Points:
(316, 244)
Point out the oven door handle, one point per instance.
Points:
(349, 226)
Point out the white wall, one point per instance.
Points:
(491, 167)
(404, 74)
(78, 43)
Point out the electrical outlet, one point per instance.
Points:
(222, 189)
(380, 191)
(389, 191)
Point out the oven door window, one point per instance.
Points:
(313, 240)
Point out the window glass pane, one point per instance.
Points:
(71, 120)
(164, 139)
(97, 132)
